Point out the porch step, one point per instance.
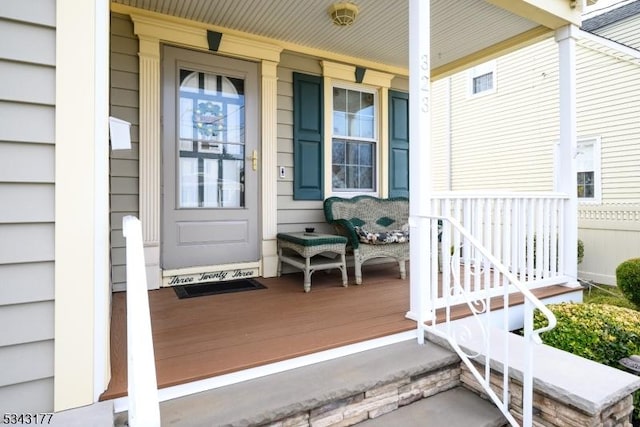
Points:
(342, 391)
(457, 407)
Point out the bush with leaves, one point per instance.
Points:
(599, 332)
(580, 256)
(628, 279)
(580, 251)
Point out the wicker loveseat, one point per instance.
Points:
(375, 228)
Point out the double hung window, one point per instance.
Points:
(482, 79)
(588, 169)
(354, 140)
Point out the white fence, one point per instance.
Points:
(611, 235)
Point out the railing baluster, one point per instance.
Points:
(488, 238)
(498, 249)
(546, 231)
(466, 247)
(554, 239)
(522, 243)
(445, 252)
(530, 241)
(561, 242)
(539, 236)
(477, 259)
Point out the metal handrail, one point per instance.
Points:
(144, 407)
(531, 335)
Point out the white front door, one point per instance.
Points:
(210, 160)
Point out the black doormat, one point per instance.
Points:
(213, 288)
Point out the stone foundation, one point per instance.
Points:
(375, 402)
(549, 412)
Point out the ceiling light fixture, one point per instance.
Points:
(343, 13)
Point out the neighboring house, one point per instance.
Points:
(65, 67)
(520, 89)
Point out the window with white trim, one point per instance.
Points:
(588, 169)
(354, 139)
(482, 79)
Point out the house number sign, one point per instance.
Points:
(210, 276)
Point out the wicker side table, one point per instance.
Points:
(305, 246)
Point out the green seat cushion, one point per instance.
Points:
(310, 239)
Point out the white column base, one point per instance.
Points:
(269, 258)
(152, 265)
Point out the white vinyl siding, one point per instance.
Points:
(440, 134)
(124, 192)
(27, 163)
(503, 141)
(506, 141)
(514, 131)
(481, 79)
(607, 94)
(608, 91)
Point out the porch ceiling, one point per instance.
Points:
(380, 33)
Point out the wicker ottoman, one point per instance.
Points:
(304, 246)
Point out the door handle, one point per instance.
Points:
(254, 160)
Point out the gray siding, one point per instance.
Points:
(625, 31)
(123, 163)
(27, 160)
(293, 215)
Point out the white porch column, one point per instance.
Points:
(565, 176)
(269, 171)
(420, 158)
(149, 148)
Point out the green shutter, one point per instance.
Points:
(308, 126)
(398, 144)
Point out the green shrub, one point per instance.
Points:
(599, 332)
(580, 250)
(605, 294)
(602, 333)
(628, 279)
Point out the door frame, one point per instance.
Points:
(153, 30)
(242, 219)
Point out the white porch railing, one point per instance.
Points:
(522, 230)
(476, 278)
(144, 409)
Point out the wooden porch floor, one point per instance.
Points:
(198, 338)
